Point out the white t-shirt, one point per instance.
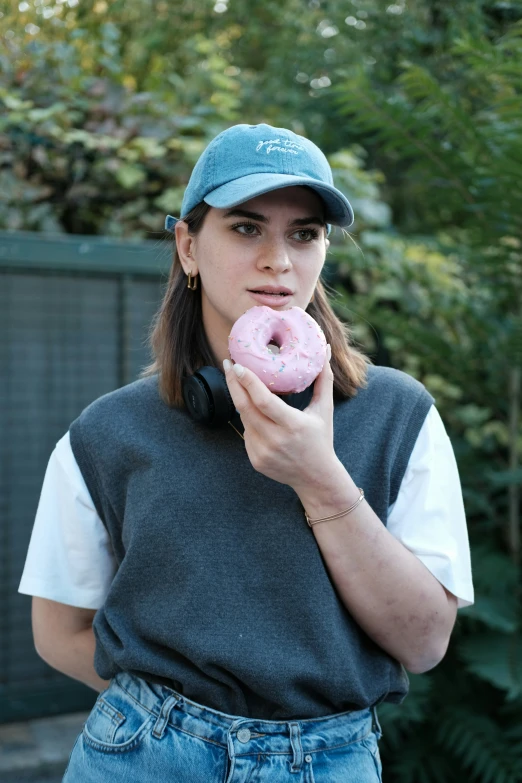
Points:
(70, 559)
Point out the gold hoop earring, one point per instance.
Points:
(194, 282)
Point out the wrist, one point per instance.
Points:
(329, 496)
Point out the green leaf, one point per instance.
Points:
(494, 573)
(505, 478)
(496, 658)
(129, 175)
(472, 415)
(391, 289)
(170, 200)
(148, 146)
(478, 743)
(497, 612)
(14, 103)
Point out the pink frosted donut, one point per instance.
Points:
(258, 334)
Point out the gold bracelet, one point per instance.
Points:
(336, 516)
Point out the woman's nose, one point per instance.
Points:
(275, 258)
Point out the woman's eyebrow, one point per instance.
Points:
(263, 219)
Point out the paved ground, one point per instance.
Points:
(38, 750)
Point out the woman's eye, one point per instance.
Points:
(245, 225)
(313, 234)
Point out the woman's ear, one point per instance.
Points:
(185, 247)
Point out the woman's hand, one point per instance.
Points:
(288, 445)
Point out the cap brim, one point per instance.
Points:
(338, 209)
(170, 222)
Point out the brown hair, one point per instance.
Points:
(180, 346)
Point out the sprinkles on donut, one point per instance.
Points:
(286, 349)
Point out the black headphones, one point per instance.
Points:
(209, 402)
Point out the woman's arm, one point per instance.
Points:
(64, 638)
(386, 588)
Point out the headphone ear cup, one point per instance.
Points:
(208, 398)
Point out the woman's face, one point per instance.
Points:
(281, 242)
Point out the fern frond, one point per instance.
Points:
(495, 658)
(398, 129)
(450, 113)
(496, 612)
(494, 573)
(480, 745)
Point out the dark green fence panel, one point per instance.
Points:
(74, 318)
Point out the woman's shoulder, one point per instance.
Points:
(129, 397)
(136, 390)
(388, 387)
(380, 378)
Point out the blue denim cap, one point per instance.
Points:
(245, 161)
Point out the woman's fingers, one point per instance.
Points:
(251, 396)
(322, 400)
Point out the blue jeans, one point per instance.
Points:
(141, 732)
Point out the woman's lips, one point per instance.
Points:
(272, 300)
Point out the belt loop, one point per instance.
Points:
(163, 718)
(230, 747)
(295, 739)
(376, 724)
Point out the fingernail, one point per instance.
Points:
(329, 347)
(239, 370)
(226, 365)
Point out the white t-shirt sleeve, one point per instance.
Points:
(70, 557)
(428, 516)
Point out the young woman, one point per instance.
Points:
(244, 596)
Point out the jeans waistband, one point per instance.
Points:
(245, 736)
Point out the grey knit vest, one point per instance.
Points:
(221, 590)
